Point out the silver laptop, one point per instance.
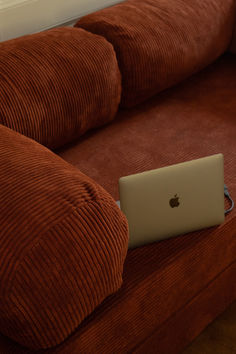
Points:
(173, 200)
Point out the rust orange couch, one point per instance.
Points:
(134, 87)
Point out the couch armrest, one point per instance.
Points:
(63, 242)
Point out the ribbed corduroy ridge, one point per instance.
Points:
(56, 85)
(63, 242)
(160, 43)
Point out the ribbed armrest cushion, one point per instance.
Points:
(56, 85)
(63, 242)
(161, 42)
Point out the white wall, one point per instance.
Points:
(20, 17)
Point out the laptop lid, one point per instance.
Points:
(173, 200)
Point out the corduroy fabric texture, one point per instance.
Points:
(63, 242)
(171, 289)
(114, 327)
(163, 280)
(160, 43)
(56, 85)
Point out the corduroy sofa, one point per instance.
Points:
(134, 87)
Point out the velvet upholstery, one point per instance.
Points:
(56, 85)
(63, 242)
(159, 43)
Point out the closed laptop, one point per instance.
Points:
(173, 200)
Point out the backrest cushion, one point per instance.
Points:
(63, 241)
(57, 84)
(161, 42)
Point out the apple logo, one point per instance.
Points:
(174, 202)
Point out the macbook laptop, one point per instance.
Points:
(173, 200)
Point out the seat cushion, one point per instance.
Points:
(159, 43)
(161, 280)
(56, 85)
(63, 242)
